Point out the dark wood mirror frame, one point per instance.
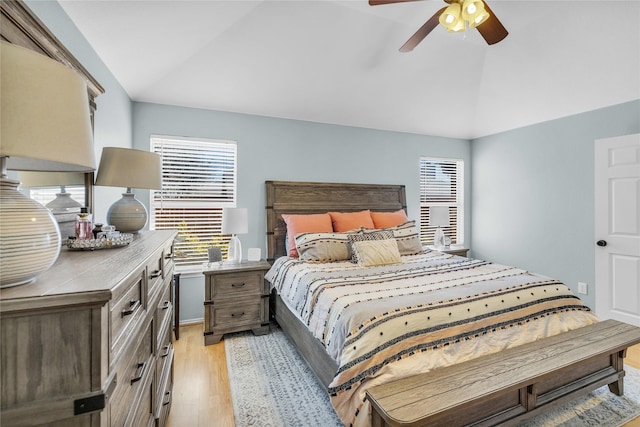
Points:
(19, 25)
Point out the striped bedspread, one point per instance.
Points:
(433, 310)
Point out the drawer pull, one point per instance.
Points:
(167, 396)
(237, 314)
(133, 306)
(237, 285)
(155, 274)
(166, 305)
(137, 376)
(168, 256)
(166, 351)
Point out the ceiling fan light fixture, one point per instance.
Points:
(479, 19)
(473, 11)
(471, 8)
(460, 26)
(451, 18)
(457, 15)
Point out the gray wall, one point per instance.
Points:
(532, 188)
(290, 150)
(113, 115)
(533, 194)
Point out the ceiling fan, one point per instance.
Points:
(457, 16)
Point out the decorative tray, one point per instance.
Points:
(123, 239)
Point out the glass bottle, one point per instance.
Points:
(97, 229)
(84, 227)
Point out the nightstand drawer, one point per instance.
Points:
(236, 284)
(243, 312)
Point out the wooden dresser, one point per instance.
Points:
(90, 343)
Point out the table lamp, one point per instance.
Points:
(63, 203)
(439, 217)
(46, 126)
(235, 221)
(126, 167)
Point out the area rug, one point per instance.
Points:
(272, 386)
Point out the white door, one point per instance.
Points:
(617, 228)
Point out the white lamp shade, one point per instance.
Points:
(235, 221)
(50, 179)
(45, 118)
(439, 216)
(126, 167)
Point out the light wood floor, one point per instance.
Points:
(201, 396)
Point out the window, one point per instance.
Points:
(198, 180)
(441, 184)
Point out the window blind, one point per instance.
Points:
(198, 180)
(441, 184)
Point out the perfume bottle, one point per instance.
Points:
(84, 227)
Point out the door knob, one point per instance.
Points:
(601, 243)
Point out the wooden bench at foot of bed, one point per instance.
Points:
(506, 387)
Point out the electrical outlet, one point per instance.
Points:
(582, 288)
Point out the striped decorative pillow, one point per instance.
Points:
(323, 247)
(406, 236)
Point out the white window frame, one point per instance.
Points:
(190, 202)
(434, 194)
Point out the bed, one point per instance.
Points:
(358, 327)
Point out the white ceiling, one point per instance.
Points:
(337, 61)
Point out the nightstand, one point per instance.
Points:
(236, 299)
(453, 250)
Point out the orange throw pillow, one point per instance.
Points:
(347, 221)
(389, 219)
(296, 224)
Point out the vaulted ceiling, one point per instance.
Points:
(337, 61)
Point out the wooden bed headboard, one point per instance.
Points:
(290, 197)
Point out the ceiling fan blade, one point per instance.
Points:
(422, 32)
(492, 29)
(379, 2)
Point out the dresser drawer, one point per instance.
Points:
(167, 260)
(154, 273)
(164, 380)
(125, 311)
(243, 311)
(164, 358)
(133, 376)
(162, 411)
(236, 284)
(143, 416)
(164, 311)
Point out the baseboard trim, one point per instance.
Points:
(191, 322)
